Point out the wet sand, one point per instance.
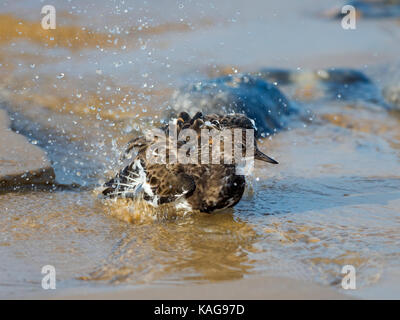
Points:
(21, 163)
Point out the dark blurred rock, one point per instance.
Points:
(258, 99)
(343, 76)
(350, 85)
(392, 95)
(338, 84)
(276, 75)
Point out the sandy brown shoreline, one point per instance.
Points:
(21, 163)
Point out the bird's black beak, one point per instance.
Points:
(263, 157)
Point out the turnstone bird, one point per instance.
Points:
(190, 186)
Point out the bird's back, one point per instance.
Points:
(194, 186)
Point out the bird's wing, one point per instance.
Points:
(169, 182)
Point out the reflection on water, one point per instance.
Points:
(333, 200)
(200, 247)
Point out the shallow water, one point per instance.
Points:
(333, 200)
